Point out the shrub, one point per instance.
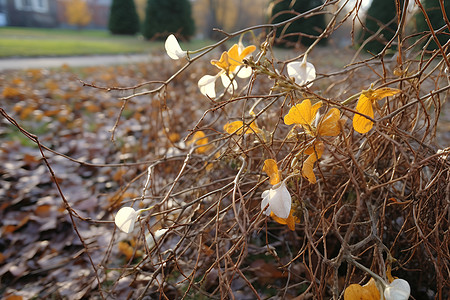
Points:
(123, 18)
(380, 25)
(168, 16)
(434, 14)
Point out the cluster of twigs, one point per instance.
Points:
(381, 201)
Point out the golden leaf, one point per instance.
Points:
(302, 114)
(43, 211)
(314, 152)
(247, 50)
(366, 292)
(364, 106)
(360, 123)
(126, 249)
(231, 59)
(10, 92)
(329, 125)
(289, 221)
(223, 62)
(174, 137)
(372, 288)
(237, 126)
(199, 138)
(383, 92)
(271, 168)
(13, 297)
(26, 112)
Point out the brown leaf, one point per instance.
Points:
(11, 93)
(13, 297)
(266, 272)
(43, 211)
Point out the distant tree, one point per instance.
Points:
(77, 13)
(312, 26)
(379, 14)
(140, 7)
(123, 18)
(434, 13)
(164, 17)
(228, 15)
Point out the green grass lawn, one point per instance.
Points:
(25, 42)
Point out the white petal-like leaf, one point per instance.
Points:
(302, 72)
(125, 219)
(227, 83)
(399, 289)
(244, 72)
(152, 239)
(279, 201)
(173, 48)
(207, 85)
(265, 202)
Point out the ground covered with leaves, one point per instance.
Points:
(60, 241)
(41, 254)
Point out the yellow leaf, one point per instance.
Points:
(174, 137)
(17, 81)
(13, 297)
(52, 85)
(26, 111)
(366, 292)
(307, 169)
(118, 176)
(329, 125)
(231, 59)
(362, 124)
(237, 126)
(302, 114)
(233, 55)
(43, 211)
(289, 221)
(223, 62)
(126, 249)
(314, 152)
(383, 92)
(247, 50)
(372, 288)
(316, 148)
(271, 168)
(10, 92)
(199, 138)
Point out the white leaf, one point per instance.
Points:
(398, 290)
(152, 239)
(207, 85)
(125, 219)
(227, 83)
(244, 72)
(265, 202)
(173, 48)
(302, 72)
(279, 201)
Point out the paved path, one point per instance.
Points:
(73, 61)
